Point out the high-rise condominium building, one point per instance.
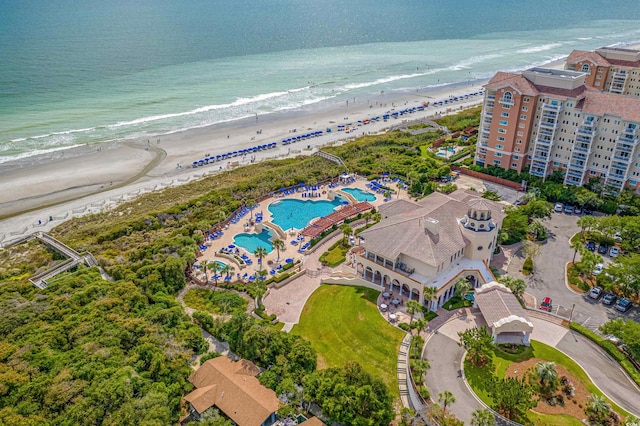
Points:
(550, 119)
(609, 69)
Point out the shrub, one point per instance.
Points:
(424, 392)
(404, 326)
(527, 267)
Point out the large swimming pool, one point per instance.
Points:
(359, 194)
(250, 242)
(293, 213)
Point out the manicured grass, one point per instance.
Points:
(278, 326)
(343, 324)
(215, 302)
(539, 419)
(479, 377)
(336, 255)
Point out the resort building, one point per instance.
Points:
(548, 120)
(430, 243)
(233, 388)
(610, 69)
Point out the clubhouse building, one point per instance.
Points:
(430, 243)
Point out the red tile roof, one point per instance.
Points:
(585, 55)
(601, 103)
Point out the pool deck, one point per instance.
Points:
(289, 251)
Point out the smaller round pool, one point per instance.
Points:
(250, 242)
(359, 194)
(219, 265)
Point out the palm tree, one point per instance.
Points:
(260, 253)
(214, 267)
(204, 270)
(430, 294)
(597, 408)
(586, 223)
(249, 202)
(446, 398)
(576, 246)
(463, 286)
(548, 376)
(278, 244)
(346, 231)
(421, 324)
(412, 307)
(367, 216)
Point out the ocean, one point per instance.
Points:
(76, 72)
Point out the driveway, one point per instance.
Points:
(445, 356)
(548, 278)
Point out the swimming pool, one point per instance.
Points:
(359, 194)
(292, 213)
(219, 265)
(250, 242)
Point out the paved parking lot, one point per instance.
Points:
(548, 278)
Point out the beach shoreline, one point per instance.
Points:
(92, 178)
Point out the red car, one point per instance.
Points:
(546, 304)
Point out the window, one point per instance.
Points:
(498, 154)
(504, 114)
(500, 138)
(498, 146)
(507, 97)
(523, 117)
(514, 165)
(500, 130)
(504, 123)
(525, 100)
(585, 68)
(496, 162)
(525, 108)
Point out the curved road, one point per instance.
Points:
(444, 356)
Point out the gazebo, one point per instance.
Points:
(506, 319)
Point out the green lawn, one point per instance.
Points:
(478, 377)
(343, 324)
(335, 256)
(456, 303)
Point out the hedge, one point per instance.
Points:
(611, 349)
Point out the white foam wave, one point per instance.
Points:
(541, 48)
(383, 80)
(466, 63)
(36, 152)
(48, 135)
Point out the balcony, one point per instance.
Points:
(589, 122)
(576, 174)
(618, 166)
(550, 124)
(624, 148)
(490, 97)
(577, 164)
(544, 141)
(506, 101)
(537, 171)
(621, 158)
(488, 113)
(545, 132)
(542, 148)
(542, 158)
(586, 132)
(489, 104)
(550, 115)
(552, 107)
(583, 139)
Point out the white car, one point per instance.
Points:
(613, 251)
(558, 208)
(598, 269)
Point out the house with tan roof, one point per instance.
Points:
(505, 317)
(233, 388)
(430, 243)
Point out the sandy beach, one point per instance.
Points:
(39, 192)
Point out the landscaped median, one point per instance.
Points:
(514, 369)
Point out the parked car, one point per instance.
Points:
(568, 209)
(609, 299)
(598, 270)
(614, 251)
(577, 210)
(546, 304)
(602, 249)
(595, 293)
(588, 212)
(623, 305)
(591, 246)
(558, 208)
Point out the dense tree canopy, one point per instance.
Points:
(88, 351)
(350, 395)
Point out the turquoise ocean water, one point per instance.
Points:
(86, 71)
